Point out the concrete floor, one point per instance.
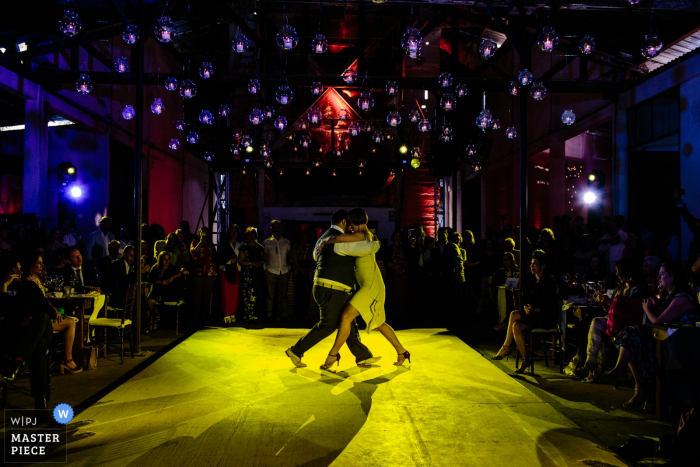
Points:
(231, 397)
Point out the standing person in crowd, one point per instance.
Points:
(693, 224)
(4, 234)
(490, 259)
(442, 262)
(173, 246)
(112, 256)
(540, 310)
(84, 277)
(98, 241)
(186, 256)
(251, 259)
(229, 274)
(147, 234)
(120, 275)
(124, 239)
(71, 237)
(189, 236)
(617, 240)
(277, 270)
(647, 237)
(301, 260)
(471, 272)
(34, 272)
(582, 256)
(205, 275)
(678, 305)
(460, 279)
(417, 272)
(161, 278)
(396, 260)
(55, 242)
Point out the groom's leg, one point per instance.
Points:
(331, 303)
(358, 349)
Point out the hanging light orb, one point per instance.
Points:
(586, 45)
(511, 133)
(461, 90)
(281, 172)
(308, 171)
(280, 123)
(389, 136)
(392, 88)
(496, 124)
(296, 148)
(70, 23)
(164, 30)
(315, 116)
(208, 156)
(368, 127)
(414, 116)
(305, 141)
(374, 149)
(334, 174)
(343, 114)
(236, 149)
(651, 47)
(412, 42)
(445, 137)
(349, 76)
(206, 70)
(268, 112)
(237, 133)
(415, 162)
(317, 162)
(287, 38)
(568, 117)
(179, 125)
(121, 65)
(416, 152)
(253, 86)
(319, 45)
(174, 144)
(192, 137)
(448, 101)
(538, 91)
(447, 129)
(394, 118)
(247, 141)
(483, 121)
(303, 124)
(224, 110)
(365, 101)
(157, 106)
(471, 149)
(128, 113)
(634, 2)
(187, 89)
(265, 151)
(131, 34)
(548, 40)
(243, 170)
(171, 84)
(378, 136)
(487, 48)
(354, 129)
(359, 172)
(525, 77)
(240, 43)
(83, 84)
(284, 95)
(206, 117)
(445, 79)
(424, 126)
(321, 149)
(316, 88)
(338, 152)
(249, 149)
(256, 117)
(513, 88)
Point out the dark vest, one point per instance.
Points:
(331, 266)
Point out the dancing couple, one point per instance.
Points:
(343, 258)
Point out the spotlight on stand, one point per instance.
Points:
(76, 192)
(66, 173)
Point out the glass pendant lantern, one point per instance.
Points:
(179, 125)
(424, 126)
(280, 123)
(483, 121)
(525, 78)
(256, 117)
(568, 117)
(354, 129)
(157, 106)
(448, 102)
(287, 37)
(206, 117)
(488, 48)
(461, 90)
(513, 88)
(548, 40)
(171, 84)
(83, 84)
(240, 43)
(174, 144)
(317, 88)
(586, 45)
(268, 112)
(412, 42)
(365, 101)
(392, 88)
(188, 89)
(253, 86)
(164, 30)
(192, 137)
(284, 95)
(129, 112)
(445, 79)
(224, 110)
(349, 76)
(394, 118)
(511, 133)
(70, 23)
(206, 70)
(319, 45)
(121, 65)
(414, 116)
(315, 116)
(131, 34)
(538, 91)
(495, 124)
(208, 156)
(652, 46)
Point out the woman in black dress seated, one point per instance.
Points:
(540, 310)
(678, 305)
(161, 278)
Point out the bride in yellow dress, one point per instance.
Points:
(368, 301)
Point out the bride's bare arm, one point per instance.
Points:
(346, 238)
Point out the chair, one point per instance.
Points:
(120, 324)
(177, 304)
(558, 336)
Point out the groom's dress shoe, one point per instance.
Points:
(295, 360)
(369, 361)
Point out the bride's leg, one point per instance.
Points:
(388, 332)
(349, 314)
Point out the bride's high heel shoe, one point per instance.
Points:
(406, 356)
(504, 355)
(327, 366)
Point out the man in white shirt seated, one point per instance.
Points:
(277, 270)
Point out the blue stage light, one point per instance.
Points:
(76, 192)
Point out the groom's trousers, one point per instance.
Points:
(331, 302)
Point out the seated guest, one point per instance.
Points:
(84, 277)
(508, 271)
(540, 310)
(55, 242)
(173, 246)
(677, 305)
(158, 247)
(58, 264)
(624, 309)
(186, 260)
(650, 271)
(27, 331)
(161, 279)
(33, 272)
(146, 257)
(124, 239)
(119, 276)
(105, 262)
(596, 272)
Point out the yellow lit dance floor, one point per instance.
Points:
(230, 397)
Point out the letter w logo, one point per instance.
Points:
(63, 414)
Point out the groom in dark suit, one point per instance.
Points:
(334, 280)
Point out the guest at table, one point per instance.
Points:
(84, 277)
(251, 258)
(55, 242)
(165, 287)
(158, 247)
(597, 271)
(229, 275)
(105, 262)
(33, 271)
(624, 309)
(71, 236)
(678, 304)
(120, 275)
(57, 265)
(205, 274)
(27, 332)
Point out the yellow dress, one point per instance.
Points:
(369, 300)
